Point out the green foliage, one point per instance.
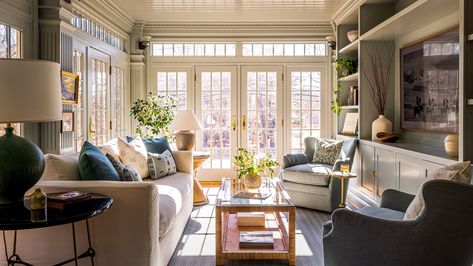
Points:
(154, 114)
(336, 104)
(246, 163)
(347, 65)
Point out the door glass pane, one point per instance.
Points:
(173, 84)
(261, 113)
(79, 111)
(216, 118)
(305, 107)
(99, 102)
(118, 102)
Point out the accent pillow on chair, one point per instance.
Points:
(459, 172)
(161, 165)
(94, 165)
(134, 154)
(327, 151)
(126, 173)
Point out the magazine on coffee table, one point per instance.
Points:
(252, 195)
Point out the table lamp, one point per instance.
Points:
(30, 91)
(185, 121)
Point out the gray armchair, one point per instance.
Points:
(441, 235)
(310, 185)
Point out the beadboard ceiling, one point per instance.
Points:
(236, 11)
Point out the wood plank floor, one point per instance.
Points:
(197, 245)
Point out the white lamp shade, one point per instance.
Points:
(185, 120)
(30, 91)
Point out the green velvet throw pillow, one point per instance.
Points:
(94, 165)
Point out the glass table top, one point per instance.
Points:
(231, 187)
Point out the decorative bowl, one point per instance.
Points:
(352, 35)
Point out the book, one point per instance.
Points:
(251, 219)
(251, 195)
(66, 200)
(256, 239)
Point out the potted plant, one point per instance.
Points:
(347, 65)
(249, 167)
(154, 115)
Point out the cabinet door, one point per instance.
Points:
(430, 167)
(412, 173)
(367, 167)
(385, 171)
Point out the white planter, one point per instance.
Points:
(382, 124)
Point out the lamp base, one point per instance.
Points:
(185, 140)
(21, 166)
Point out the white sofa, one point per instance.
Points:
(142, 227)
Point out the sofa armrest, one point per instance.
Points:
(289, 160)
(184, 161)
(338, 163)
(129, 229)
(396, 200)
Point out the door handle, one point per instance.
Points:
(234, 123)
(243, 122)
(91, 131)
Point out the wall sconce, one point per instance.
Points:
(331, 42)
(144, 42)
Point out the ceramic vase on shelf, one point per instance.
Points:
(382, 124)
(252, 181)
(451, 145)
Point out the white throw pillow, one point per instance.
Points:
(459, 172)
(134, 154)
(61, 167)
(111, 147)
(160, 165)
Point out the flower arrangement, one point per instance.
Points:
(247, 163)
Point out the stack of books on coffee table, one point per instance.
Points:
(256, 239)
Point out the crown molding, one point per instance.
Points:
(346, 10)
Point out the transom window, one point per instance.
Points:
(193, 49)
(284, 49)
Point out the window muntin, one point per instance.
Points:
(79, 109)
(174, 84)
(193, 49)
(85, 24)
(284, 49)
(118, 111)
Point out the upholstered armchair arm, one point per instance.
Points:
(338, 163)
(289, 160)
(357, 239)
(184, 161)
(396, 200)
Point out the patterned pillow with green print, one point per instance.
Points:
(327, 151)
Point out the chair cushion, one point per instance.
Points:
(174, 191)
(327, 151)
(382, 213)
(459, 172)
(94, 165)
(322, 191)
(308, 174)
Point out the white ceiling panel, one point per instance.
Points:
(230, 10)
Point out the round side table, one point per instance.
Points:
(199, 196)
(342, 176)
(15, 217)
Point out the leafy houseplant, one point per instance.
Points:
(250, 167)
(347, 65)
(336, 104)
(154, 114)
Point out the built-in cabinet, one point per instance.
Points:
(388, 167)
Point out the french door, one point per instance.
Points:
(175, 82)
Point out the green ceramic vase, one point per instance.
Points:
(21, 167)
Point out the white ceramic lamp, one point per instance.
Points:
(185, 121)
(30, 91)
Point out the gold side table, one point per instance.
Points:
(199, 197)
(342, 176)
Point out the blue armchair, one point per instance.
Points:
(310, 185)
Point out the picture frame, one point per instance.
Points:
(67, 122)
(350, 125)
(429, 73)
(69, 87)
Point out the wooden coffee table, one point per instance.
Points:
(228, 233)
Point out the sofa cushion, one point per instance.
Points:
(174, 192)
(94, 165)
(61, 167)
(459, 172)
(382, 213)
(308, 174)
(155, 145)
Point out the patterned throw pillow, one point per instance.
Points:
(327, 151)
(161, 165)
(459, 172)
(126, 173)
(134, 154)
